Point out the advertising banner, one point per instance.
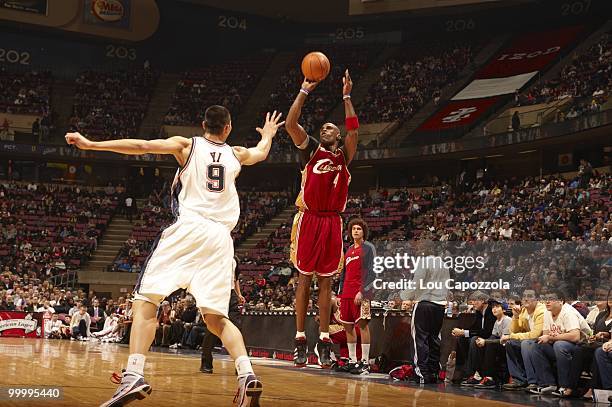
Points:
(110, 13)
(21, 324)
(530, 52)
(458, 113)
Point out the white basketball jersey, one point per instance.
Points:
(206, 185)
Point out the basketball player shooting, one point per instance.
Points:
(196, 251)
(316, 238)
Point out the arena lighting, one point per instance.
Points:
(527, 151)
(494, 156)
(364, 166)
(469, 158)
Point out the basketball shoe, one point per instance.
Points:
(299, 355)
(133, 386)
(249, 391)
(323, 351)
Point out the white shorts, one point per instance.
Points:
(194, 254)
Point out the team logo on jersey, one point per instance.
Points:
(325, 165)
(350, 259)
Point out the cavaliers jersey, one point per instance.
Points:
(206, 185)
(325, 182)
(358, 273)
(352, 272)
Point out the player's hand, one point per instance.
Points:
(271, 125)
(347, 83)
(78, 140)
(358, 298)
(309, 85)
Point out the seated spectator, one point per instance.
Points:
(97, 314)
(79, 325)
(486, 357)
(53, 328)
(482, 327)
(525, 328)
(564, 329)
(110, 332)
(163, 332)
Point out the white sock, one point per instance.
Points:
(324, 335)
(300, 334)
(352, 347)
(243, 366)
(365, 352)
(136, 363)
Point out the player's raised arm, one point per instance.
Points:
(253, 155)
(176, 146)
(351, 121)
(295, 130)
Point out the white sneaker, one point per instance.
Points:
(133, 386)
(249, 391)
(544, 390)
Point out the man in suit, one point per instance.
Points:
(97, 314)
(482, 327)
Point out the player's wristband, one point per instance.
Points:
(351, 123)
(305, 91)
(345, 97)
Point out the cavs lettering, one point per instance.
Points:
(351, 258)
(325, 182)
(325, 165)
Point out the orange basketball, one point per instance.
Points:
(315, 66)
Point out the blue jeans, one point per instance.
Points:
(544, 354)
(520, 365)
(604, 365)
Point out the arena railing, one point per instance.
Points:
(552, 130)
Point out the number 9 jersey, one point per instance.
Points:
(205, 187)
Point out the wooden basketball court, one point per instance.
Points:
(83, 370)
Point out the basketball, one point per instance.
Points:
(315, 66)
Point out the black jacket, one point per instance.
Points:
(480, 329)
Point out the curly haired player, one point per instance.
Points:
(355, 283)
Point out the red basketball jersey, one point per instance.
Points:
(353, 271)
(325, 182)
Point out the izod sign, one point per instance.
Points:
(108, 10)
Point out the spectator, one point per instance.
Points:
(564, 328)
(481, 328)
(164, 324)
(486, 357)
(53, 328)
(97, 314)
(526, 327)
(79, 325)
